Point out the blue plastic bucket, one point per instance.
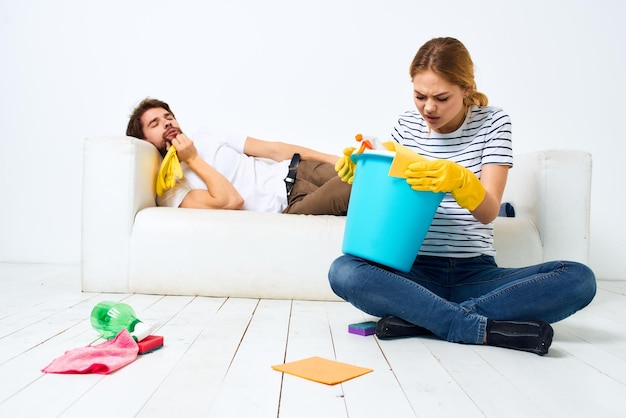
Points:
(387, 220)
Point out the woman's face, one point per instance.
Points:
(439, 102)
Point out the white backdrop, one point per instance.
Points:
(311, 72)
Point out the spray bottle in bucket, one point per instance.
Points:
(387, 220)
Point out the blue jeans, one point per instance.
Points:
(454, 297)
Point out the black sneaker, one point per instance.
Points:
(534, 336)
(390, 327)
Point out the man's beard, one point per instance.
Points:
(176, 132)
(167, 141)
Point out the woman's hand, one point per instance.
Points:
(447, 176)
(345, 167)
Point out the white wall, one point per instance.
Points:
(312, 72)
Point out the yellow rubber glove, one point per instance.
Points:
(345, 167)
(168, 172)
(390, 145)
(447, 176)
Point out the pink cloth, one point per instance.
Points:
(103, 358)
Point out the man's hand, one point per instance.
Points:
(185, 148)
(447, 176)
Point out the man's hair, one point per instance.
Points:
(134, 123)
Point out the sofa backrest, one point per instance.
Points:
(552, 188)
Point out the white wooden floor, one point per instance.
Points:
(218, 355)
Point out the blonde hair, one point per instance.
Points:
(449, 58)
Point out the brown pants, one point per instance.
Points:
(318, 190)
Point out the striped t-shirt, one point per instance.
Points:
(484, 138)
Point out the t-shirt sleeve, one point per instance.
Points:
(499, 145)
(174, 197)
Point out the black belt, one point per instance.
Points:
(290, 180)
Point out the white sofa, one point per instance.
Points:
(131, 246)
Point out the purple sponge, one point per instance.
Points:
(362, 328)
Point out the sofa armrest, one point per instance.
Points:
(118, 181)
(552, 188)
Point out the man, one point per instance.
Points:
(229, 171)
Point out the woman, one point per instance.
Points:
(455, 290)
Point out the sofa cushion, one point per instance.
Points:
(234, 253)
(517, 242)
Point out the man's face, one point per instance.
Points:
(159, 128)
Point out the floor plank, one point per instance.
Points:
(558, 384)
(374, 394)
(203, 357)
(309, 335)
(251, 388)
(431, 389)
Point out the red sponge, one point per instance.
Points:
(150, 343)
